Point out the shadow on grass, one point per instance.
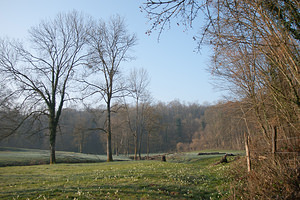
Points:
(128, 191)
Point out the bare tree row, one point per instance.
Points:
(64, 58)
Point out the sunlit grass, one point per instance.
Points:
(124, 180)
(183, 176)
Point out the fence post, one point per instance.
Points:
(246, 137)
(274, 142)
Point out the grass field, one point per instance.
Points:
(183, 176)
(21, 157)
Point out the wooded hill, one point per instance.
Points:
(163, 127)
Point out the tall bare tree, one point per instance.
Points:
(151, 124)
(138, 82)
(256, 49)
(80, 131)
(109, 47)
(43, 76)
(256, 46)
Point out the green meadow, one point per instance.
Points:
(183, 176)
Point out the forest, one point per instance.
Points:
(166, 127)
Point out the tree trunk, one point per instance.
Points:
(247, 152)
(148, 145)
(116, 147)
(135, 146)
(140, 144)
(127, 151)
(117, 151)
(136, 149)
(52, 143)
(109, 149)
(52, 153)
(80, 146)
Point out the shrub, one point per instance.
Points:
(269, 179)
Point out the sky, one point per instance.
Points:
(176, 70)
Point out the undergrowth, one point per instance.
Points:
(269, 179)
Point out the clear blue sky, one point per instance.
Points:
(176, 71)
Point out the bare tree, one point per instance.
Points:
(109, 46)
(259, 55)
(256, 46)
(151, 123)
(161, 12)
(80, 131)
(256, 49)
(43, 76)
(138, 82)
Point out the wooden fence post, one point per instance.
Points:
(274, 142)
(246, 137)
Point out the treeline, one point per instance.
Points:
(165, 127)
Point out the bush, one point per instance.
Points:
(269, 179)
(181, 147)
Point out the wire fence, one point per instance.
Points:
(294, 152)
(297, 138)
